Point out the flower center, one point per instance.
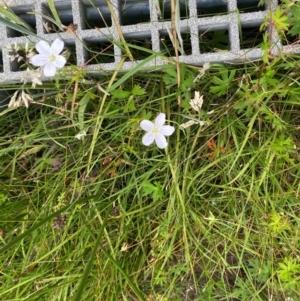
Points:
(52, 57)
(155, 131)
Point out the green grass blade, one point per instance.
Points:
(54, 13)
(37, 225)
(132, 71)
(138, 293)
(10, 15)
(88, 267)
(18, 28)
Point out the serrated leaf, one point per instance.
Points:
(155, 190)
(130, 106)
(170, 70)
(118, 93)
(137, 90)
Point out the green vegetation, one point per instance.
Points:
(214, 216)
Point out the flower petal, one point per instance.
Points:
(160, 120)
(39, 60)
(147, 126)
(57, 46)
(60, 61)
(161, 141)
(42, 47)
(148, 139)
(167, 130)
(49, 69)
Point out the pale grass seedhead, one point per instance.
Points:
(33, 76)
(192, 122)
(20, 53)
(197, 101)
(20, 98)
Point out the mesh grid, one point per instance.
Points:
(232, 23)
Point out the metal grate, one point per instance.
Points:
(232, 23)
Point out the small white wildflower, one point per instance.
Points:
(81, 135)
(156, 131)
(197, 102)
(49, 57)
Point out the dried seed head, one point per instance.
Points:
(59, 222)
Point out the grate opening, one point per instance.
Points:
(23, 13)
(248, 6)
(142, 40)
(211, 8)
(64, 11)
(214, 41)
(167, 45)
(135, 13)
(71, 53)
(99, 51)
(96, 15)
(290, 40)
(203, 28)
(165, 10)
(18, 59)
(250, 37)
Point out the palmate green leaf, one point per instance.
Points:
(137, 90)
(288, 270)
(294, 19)
(119, 93)
(154, 189)
(170, 78)
(130, 106)
(279, 18)
(222, 83)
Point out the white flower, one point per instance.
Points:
(157, 131)
(49, 57)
